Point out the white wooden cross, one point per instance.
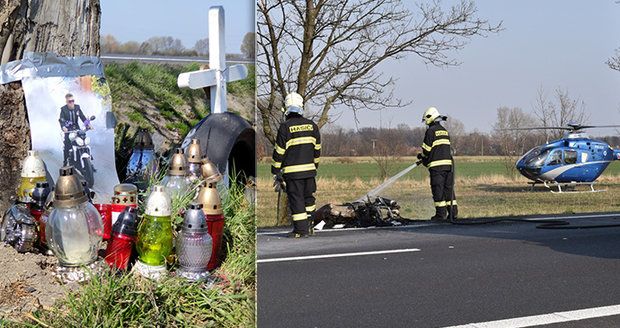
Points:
(218, 74)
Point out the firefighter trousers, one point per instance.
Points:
(301, 202)
(442, 187)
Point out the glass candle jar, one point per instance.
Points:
(194, 245)
(33, 171)
(74, 227)
(176, 181)
(155, 236)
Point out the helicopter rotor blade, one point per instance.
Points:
(598, 126)
(539, 128)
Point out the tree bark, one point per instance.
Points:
(67, 28)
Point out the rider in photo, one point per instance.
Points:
(74, 137)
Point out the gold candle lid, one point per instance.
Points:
(69, 191)
(193, 151)
(210, 199)
(178, 163)
(209, 170)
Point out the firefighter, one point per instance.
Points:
(437, 156)
(295, 161)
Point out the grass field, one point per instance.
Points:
(484, 188)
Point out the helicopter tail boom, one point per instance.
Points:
(616, 154)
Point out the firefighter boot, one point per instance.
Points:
(453, 212)
(311, 223)
(300, 229)
(441, 214)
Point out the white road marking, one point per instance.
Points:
(269, 233)
(413, 226)
(546, 319)
(327, 256)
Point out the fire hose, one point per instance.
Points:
(378, 189)
(280, 187)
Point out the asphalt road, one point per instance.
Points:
(438, 275)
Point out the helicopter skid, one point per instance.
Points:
(567, 187)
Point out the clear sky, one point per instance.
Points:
(550, 43)
(186, 20)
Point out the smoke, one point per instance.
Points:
(44, 98)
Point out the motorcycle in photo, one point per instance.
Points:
(80, 154)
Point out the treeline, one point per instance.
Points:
(169, 46)
(404, 140)
(511, 135)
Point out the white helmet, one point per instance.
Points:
(430, 115)
(294, 103)
(33, 166)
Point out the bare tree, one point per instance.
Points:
(560, 111)
(614, 61)
(543, 110)
(129, 47)
(329, 50)
(248, 45)
(163, 45)
(109, 44)
(457, 132)
(68, 28)
(202, 47)
(511, 142)
(387, 149)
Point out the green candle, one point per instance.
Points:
(155, 236)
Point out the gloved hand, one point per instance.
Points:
(278, 183)
(420, 159)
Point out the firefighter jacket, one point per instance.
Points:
(298, 148)
(436, 153)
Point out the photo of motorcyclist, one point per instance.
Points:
(76, 149)
(68, 119)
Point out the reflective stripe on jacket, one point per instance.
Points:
(297, 150)
(436, 152)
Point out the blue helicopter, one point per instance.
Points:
(575, 159)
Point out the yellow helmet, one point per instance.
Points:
(294, 103)
(430, 115)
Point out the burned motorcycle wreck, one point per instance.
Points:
(378, 212)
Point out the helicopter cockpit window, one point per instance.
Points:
(570, 157)
(536, 157)
(555, 158)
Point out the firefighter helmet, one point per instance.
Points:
(294, 103)
(430, 115)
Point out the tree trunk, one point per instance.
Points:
(67, 28)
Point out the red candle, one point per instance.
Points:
(120, 247)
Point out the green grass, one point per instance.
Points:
(484, 189)
(126, 300)
(135, 87)
(365, 169)
(369, 170)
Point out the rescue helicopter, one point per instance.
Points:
(575, 159)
